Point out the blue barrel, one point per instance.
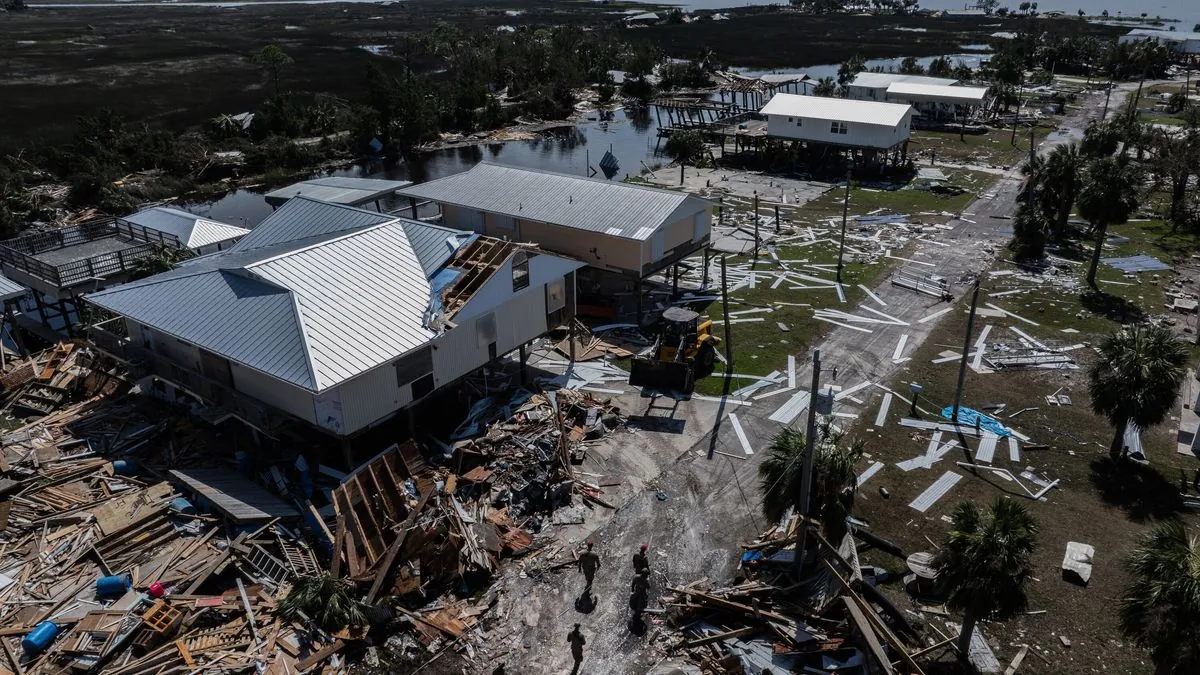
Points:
(124, 467)
(181, 505)
(40, 637)
(107, 587)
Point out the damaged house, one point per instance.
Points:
(334, 316)
(623, 232)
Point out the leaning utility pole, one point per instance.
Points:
(845, 210)
(962, 365)
(1032, 175)
(810, 446)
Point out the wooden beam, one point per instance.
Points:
(187, 656)
(1016, 662)
(338, 542)
(735, 606)
(384, 568)
(717, 637)
(934, 647)
(868, 633)
(320, 655)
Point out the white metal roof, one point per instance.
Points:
(191, 230)
(338, 190)
(10, 289)
(619, 209)
(937, 92)
(840, 109)
(312, 306)
(882, 80)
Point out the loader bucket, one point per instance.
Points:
(662, 375)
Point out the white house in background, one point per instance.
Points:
(199, 235)
(936, 101)
(632, 230)
(1183, 42)
(874, 86)
(334, 316)
(344, 190)
(838, 121)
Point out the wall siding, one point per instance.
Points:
(862, 135)
(613, 253)
(373, 396)
(277, 393)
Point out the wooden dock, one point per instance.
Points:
(234, 495)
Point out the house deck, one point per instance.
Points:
(234, 495)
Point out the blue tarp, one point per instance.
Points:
(967, 417)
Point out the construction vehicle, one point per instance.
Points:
(684, 349)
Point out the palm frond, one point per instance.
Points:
(1161, 608)
(324, 599)
(985, 561)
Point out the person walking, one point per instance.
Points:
(589, 562)
(640, 561)
(577, 641)
(639, 592)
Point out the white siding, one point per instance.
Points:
(275, 392)
(371, 397)
(858, 134)
(182, 353)
(542, 270)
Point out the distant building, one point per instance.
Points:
(1183, 42)
(935, 102)
(873, 86)
(340, 190)
(838, 121)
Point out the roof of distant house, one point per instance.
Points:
(618, 209)
(10, 289)
(339, 190)
(836, 109)
(954, 94)
(313, 307)
(191, 230)
(882, 80)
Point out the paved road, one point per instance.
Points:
(711, 505)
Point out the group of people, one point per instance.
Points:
(639, 592)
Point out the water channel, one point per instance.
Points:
(632, 138)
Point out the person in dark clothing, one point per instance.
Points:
(640, 561)
(577, 641)
(589, 562)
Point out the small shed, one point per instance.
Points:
(342, 190)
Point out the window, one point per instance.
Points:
(520, 271)
(414, 366)
(799, 122)
(556, 295)
(839, 128)
(422, 387)
(790, 119)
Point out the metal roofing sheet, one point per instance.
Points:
(338, 190)
(938, 92)
(189, 228)
(313, 314)
(570, 201)
(10, 289)
(841, 109)
(362, 300)
(882, 80)
(433, 244)
(304, 218)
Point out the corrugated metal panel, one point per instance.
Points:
(569, 201)
(290, 399)
(189, 228)
(839, 109)
(433, 244)
(455, 353)
(362, 300)
(248, 321)
(303, 218)
(938, 92)
(371, 397)
(10, 289)
(882, 80)
(339, 190)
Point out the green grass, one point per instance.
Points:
(993, 147)
(1163, 119)
(760, 347)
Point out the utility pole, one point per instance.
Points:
(1017, 116)
(810, 446)
(845, 210)
(725, 313)
(962, 365)
(1032, 175)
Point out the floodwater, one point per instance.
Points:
(632, 138)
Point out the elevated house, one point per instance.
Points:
(874, 128)
(936, 102)
(874, 86)
(1185, 45)
(628, 231)
(333, 316)
(59, 265)
(343, 190)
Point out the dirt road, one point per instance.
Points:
(696, 511)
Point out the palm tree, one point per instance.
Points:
(1161, 608)
(1136, 379)
(1108, 196)
(985, 563)
(324, 599)
(685, 147)
(1058, 185)
(825, 87)
(834, 478)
